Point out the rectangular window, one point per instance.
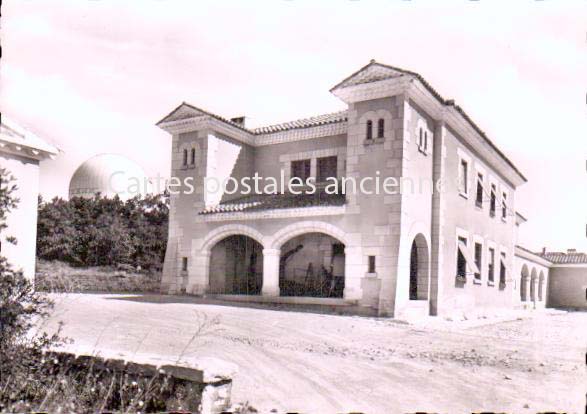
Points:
(461, 260)
(478, 259)
(492, 201)
(184, 264)
(491, 265)
(300, 169)
(502, 270)
(479, 195)
(326, 168)
(464, 177)
(504, 207)
(371, 264)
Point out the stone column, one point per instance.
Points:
(198, 274)
(270, 272)
(354, 271)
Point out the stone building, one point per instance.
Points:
(21, 151)
(446, 242)
(568, 279)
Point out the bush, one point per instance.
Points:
(104, 231)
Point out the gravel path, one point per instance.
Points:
(317, 363)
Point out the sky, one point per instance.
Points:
(94, 76)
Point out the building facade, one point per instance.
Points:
(442, 240)
(20, 154)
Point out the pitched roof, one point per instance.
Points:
(12, 133)
(258, 202)
(332, 118)
(570, 257)
(375, 71)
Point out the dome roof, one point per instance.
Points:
(109, 175)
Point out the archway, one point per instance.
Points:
(312, 264)
(236, 266)
(524, 284)
(541, 286)
(419, 269)
(533, 280)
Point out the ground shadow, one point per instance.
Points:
(196, 300)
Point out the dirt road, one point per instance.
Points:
(318, 363)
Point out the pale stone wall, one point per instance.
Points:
(461, 215)
(22, 221)
(568, 286)
(531, 283)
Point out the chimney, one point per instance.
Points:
(544, 250)
(239, 120)
(569, 251)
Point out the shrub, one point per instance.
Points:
(104, 231)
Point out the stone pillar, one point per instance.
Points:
(354, 271)
(198, 274)
(526, 282)
(270, 272)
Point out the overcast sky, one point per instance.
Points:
(93, 76)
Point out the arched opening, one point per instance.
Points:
(369, 131)
(419, 269)
(533, 280)
(541, 286)
(380, 128)
(524, 283)
(312, 264)
(236, 266)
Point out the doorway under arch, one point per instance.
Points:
(524, 275)
(312, 264)
(419, 269)
(236, 266)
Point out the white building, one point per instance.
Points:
(21, 151)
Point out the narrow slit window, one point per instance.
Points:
(479, 195)
(380, 128)
(185, 157)
(184, 264)
(193, 157)
(491, 265)
(371, 264)
(492, 201)
(478, 259)
(369, 129)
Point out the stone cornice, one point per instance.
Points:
(373, 90)
(524, 254)
(24, 151)
(274, 214)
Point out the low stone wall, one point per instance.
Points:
(158, 384)
(60, 277)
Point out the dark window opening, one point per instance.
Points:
(492, 201)
(504, 208)
(193, 157)
(185, 157)
(461, 261)
(184, 264)
(478, 259)
(380, 128)
(371, 264)
(502, 270)
(479, 197)
(464, 177)
(425, 141)
(369, 129)
(414, 272)
(326, 168)
(300, 169)
(491, 265)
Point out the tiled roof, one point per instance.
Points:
(375, 71)
(331, 118)
(259, 202)
(565, 258)
(17, 135)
